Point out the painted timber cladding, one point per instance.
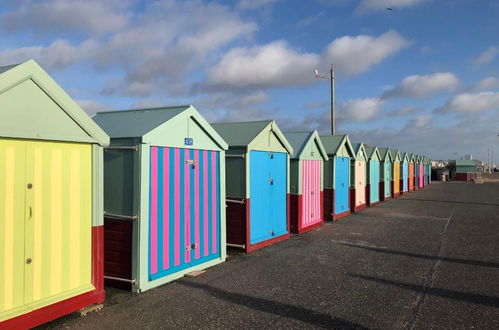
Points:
(306, 198)
(268, 202)
(60, 175)
(50, 200)
(154, 153)
(341, 183)
(387, 171)
(262, 169)
(337, 176)
(374, 179)
(184, 209)
(311, 192)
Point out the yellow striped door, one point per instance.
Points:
(396, 177)
(12, 204)
(45, 223)
(59, 221)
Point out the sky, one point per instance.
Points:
(422, 77)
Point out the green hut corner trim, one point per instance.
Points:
(36, 86)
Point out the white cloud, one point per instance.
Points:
(471, 103)
(418, 86)
(359, 109)
(254, 4)
(92, 16)
(378, 5)
(486, 84)
(487, 56)
(58, 55)
(274, 64)
(155, 48)
(354, 55)
(278, 65)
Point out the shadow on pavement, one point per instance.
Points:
(276, 308)
(424, 256)
(472, 298)
(452, 202)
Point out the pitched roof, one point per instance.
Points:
(299, 140)
(61, 117)
(240, 133)
(371, 151)
(135, 122)
(332, 143)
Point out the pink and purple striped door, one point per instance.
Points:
(421, 176)
(311, 193)
(184, 219)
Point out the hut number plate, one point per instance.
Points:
(188, 141)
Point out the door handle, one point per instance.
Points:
(30, 212)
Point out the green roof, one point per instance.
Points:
(359, 148)
(135, 122)
(371, 152)
(155, 125)
(463, 162)
(332, 143)
(246, 134)
(240, 134)
(299, 141)
(384, 153)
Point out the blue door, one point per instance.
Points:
(405, 175)
(342, 168)
(268, 195)
(387, 179)
(374, 181)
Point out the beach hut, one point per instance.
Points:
(386, 174)
(51, 234)
(257, 183)
(421, 172)
(404, 172)
(410, 158)
(358, 179)
(337, 176)
(306, 177)
(427, 171)
(164, 195)
(396, 172)
(373, 176)
(416, 172)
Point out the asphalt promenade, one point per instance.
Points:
(429, 259)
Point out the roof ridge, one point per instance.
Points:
(144, 109)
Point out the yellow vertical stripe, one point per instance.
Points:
(74, 219)
(56, 228)
(37, 219)
(9, 228)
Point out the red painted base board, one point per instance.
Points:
(51, 312)
(296, 204)
(360, 207)
(341, 215)
(254, 247)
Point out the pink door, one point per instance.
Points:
(421, 175)
(360, 183)
(311, 193)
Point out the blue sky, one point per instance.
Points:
(423, 77)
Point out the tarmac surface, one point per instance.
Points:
(428, 259)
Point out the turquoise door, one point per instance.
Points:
(405, 175)
(267, 195)
(374, 181)
(341, 174)
(387, 179)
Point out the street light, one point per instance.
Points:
(331, 79)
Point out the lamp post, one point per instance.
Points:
(331, 79)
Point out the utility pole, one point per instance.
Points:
(331, 79)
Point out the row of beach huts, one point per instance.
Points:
(138, 198)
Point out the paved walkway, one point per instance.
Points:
(427, 259)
